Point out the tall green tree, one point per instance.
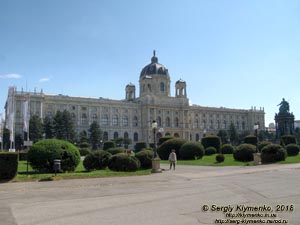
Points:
(83, 137)
(233, 134)
(48, 127)
(223, 136)
(64, 126)
(95, 135)
(35, 128)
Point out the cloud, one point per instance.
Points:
(45, 79)
(10, 76)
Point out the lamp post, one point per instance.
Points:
(156, 159)
(256, 155)
(256, 127)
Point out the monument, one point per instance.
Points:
(284, 120)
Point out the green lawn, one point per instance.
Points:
(79, 173)
(229, 161)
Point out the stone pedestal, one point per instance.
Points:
(256, 159)
(156, 165)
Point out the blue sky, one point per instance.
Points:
(234, 54)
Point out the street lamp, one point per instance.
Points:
(154, 128)
(156, 159)
(256, 127)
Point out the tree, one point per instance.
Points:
(95, 135)
(83, 137)
(223, 136)
(233, 134)
(35, 128)
(63, 126)
(49, 127)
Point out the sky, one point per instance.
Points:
(233, 54)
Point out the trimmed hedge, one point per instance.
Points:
(288, 139)
(109, 144)
(191, 150)
(116, 150)
(84, 151)
(97, 160)
(273, 153)
(210, 151)
(292, 149)
(165, 149)
(211, 141)
(244, 152)
(8, 165)
(250, 139)
(220, 158)
(139, 146)
(227, 149)
(84, 145)
(23, 156)
(42, 154)
(164, 139)
(123, 162)
(262, 144)
(145, 157)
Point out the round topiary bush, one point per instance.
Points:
(116, 150)
(292, 149)
(210, 151)
(84, 145)
(262, 144)
(227, 149)
(84, 151)
(211, 141)
(163, 139)
(42, 154)
(191, 150)
(109, 144)
(123, 162)
(165, 149)
(220, 158)
(145, 157)
(96, 160)
(288, 139)
(273, 153)
(244, 152)
(250, 139)
(139, 146)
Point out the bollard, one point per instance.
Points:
(57, 165)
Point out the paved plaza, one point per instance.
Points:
(189, 195)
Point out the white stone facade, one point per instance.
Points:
(132, 117)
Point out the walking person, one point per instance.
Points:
(172, 159)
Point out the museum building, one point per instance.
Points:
(132, 117)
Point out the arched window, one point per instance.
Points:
(115, 120)
(105, 136)
(126, 135)
(94, 116)
(218, 124)
(159, 121)
(168, 124)
(116, 135)
(176, 135)
(176, 122)
(84, 118)
(162, 87)
(197, 137)
(135, 137)
(243, 125)
(125, 121)
(149, 87)
(135, 121)
(196, 123)
(204, 123)
(104, 120)
(225, 124)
